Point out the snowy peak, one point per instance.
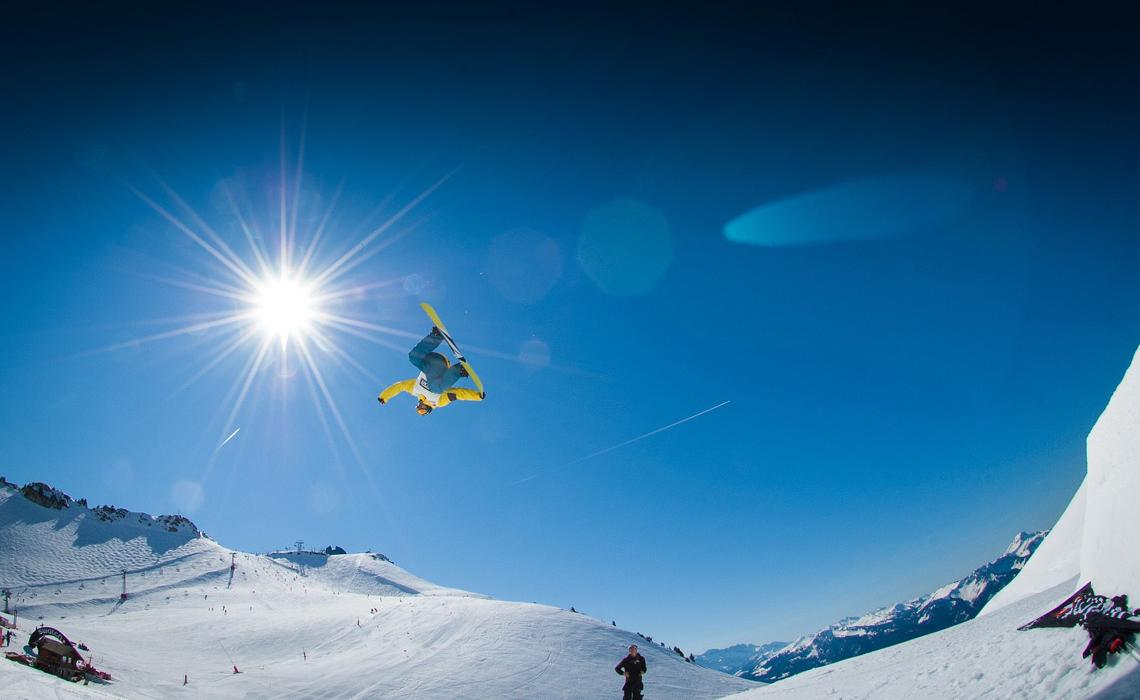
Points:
(949, 605)
(1024, 544)
(170, 523)
(51, 498)
(41, 494)
(987, 580)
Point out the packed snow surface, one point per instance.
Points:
(1108, 545)
(302, 625)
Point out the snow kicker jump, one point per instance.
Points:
(435, 385)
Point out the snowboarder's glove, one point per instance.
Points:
(1100, 657)
(463, 371)
(435, 331)
(380, 399)
(1094, 642)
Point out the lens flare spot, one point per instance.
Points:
(625, 246)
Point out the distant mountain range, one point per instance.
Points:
(953, 603)
(737, 656)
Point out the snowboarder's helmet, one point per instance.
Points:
(423, 409)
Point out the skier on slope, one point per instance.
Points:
(632, 667)
(434, 387)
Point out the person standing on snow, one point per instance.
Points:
(632, 667)
(434, 387)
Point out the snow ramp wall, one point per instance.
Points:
(1094, 539)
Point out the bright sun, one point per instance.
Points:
(291, 307)
(284, 306)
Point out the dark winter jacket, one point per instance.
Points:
(633, 665)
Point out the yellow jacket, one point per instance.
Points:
(449, 395)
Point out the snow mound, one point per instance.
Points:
(1108, 549)
(370, 574)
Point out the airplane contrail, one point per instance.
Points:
(629, 442)
(649, 434)
(231, 437)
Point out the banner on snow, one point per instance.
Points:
(1078, 607)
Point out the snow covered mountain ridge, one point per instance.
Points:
(49, 497)
(949, 605)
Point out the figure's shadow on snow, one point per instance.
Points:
(1127, 687)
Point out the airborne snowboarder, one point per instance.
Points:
(435, 385)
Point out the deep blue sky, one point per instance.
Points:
(909, 387)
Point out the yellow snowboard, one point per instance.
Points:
(451, 344)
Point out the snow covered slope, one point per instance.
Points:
(988, 656)
(296, 625)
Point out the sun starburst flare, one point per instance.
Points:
(283, 307)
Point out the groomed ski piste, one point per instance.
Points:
(294, 625)
(988, 657)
